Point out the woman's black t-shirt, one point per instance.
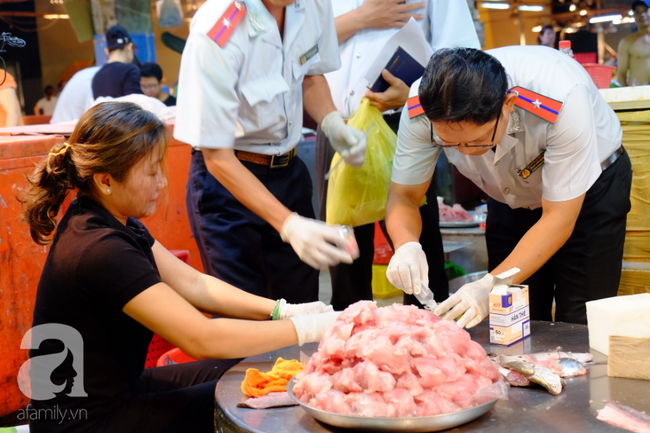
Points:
(95, 266)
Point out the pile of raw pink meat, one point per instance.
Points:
(397, 361)
(455, 213)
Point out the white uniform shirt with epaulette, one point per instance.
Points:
(585, 133)
(247, 95)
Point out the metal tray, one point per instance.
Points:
(411, 424)
(458, 224)
(478, 219)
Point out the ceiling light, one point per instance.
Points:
(627, 20)
(583, 12)
(605, 18)
(56, 16)
(537, 29)
(572, 8)
(531, 8)
(630, 12)
(495, 6)
(570, 30)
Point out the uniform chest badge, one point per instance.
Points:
(533, 166)
(308, 55)
(414, 107)
(539, 105)
(226, 25)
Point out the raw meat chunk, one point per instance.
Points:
(372, 379)
(397, 361)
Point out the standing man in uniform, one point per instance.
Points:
(529, 127)
(246, 71)
(634, 50)
(363, 28)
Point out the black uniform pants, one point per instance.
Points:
(588, 266)
(352, 283)
(174, 398)
(239, 247)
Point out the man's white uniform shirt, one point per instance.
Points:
(248, 95)
(446, 24)
(585, 134)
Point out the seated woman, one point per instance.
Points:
(108, 281)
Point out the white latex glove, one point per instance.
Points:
(316, 243)
(408, 269)
(285, 311)
(350, 142)
(310, 329)
(471, 299)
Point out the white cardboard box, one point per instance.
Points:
(621, 315)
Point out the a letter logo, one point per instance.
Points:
(35, 375)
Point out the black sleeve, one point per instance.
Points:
(132, 81)
(115, 270)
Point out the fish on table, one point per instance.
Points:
(564, 364)
(533, 372)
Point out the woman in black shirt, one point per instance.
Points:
(107, 281)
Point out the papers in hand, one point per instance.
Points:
(410, 39)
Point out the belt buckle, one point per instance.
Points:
(283, 158)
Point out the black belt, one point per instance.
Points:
(612, 158)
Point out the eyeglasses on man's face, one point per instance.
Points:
(448, 146)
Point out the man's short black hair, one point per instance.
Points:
(463, 84)
(636, 3)
(48, 87)
(151, 69)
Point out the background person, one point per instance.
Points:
(9, 106)
(559, 184)
(151, 82)
(363, 28)
(106, 277)
(45, 106)
(240, 106)
(76, 97)
(119, 76)
(547, 36)
(633, 55)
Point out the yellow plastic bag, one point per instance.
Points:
(357, 196)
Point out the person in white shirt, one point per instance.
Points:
(363, 28)
(45, 105)
(76, 97)
(247, 69)
(528, 126)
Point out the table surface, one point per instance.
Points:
(530, 409)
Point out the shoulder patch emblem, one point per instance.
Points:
(539, 105)
(414, 107)
(226, 25)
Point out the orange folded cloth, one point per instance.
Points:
(257, 384)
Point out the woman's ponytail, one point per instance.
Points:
(49, 185)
